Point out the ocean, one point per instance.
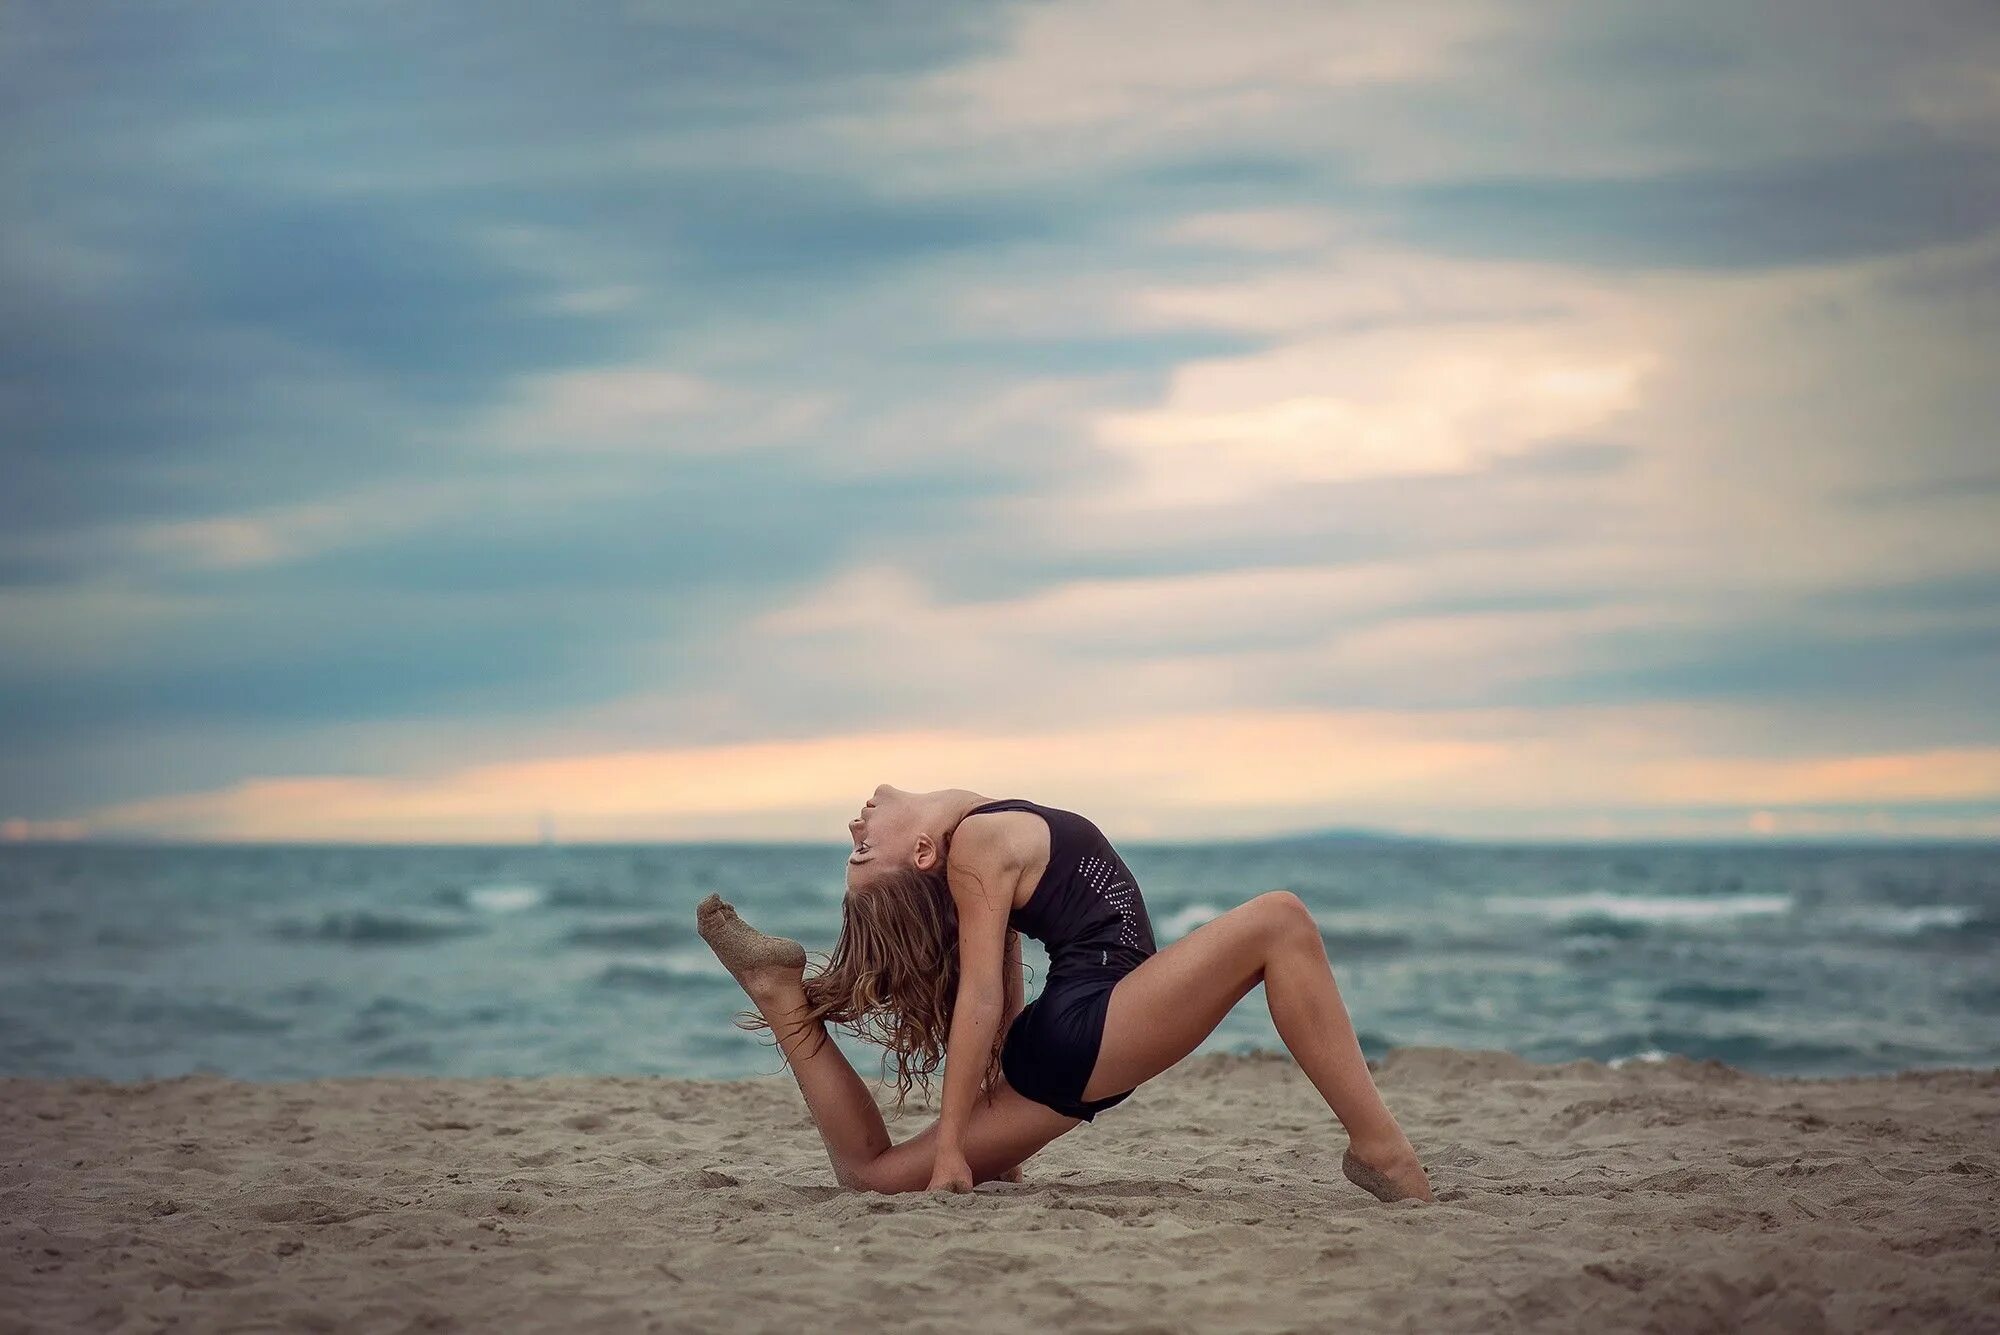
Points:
(286, 963)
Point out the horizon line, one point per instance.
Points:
(1334, 837)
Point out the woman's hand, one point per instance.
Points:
(950, 1173)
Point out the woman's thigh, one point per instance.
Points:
(1162, 1010)
(1001, 1134)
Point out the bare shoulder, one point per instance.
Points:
(999, 841)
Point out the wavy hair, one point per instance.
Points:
(893, 976)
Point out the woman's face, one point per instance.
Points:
(885, 833)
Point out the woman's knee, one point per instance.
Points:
(1285, 916)
(1284, 909)
(875, 1175)
(902, 1167)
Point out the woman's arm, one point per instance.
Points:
(1015, 981)
(984, 875)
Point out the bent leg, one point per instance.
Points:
(843, 1110)
(1000, 1135)
(1162, 1010)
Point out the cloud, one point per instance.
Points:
(20, 830)
(1459, 384)
(1381, 405)
(1897, 200)
(1198, 776)
(655, 409)
(1168, 68)
(1335, 96)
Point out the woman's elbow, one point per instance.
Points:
(981, 997)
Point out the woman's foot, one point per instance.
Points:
(1387, 1172)
(761, 964)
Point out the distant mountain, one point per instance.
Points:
(1342, 836)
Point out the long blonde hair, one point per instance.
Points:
(893, 976)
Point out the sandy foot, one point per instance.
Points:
(1407, 1184)
(743, 950)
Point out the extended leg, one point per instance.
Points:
(1001, 1134)
(1164, 1008)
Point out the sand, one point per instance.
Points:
(1674, 1197)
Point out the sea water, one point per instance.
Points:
(278, 963)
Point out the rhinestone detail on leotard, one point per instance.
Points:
(1116, 891)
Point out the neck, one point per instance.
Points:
(954, 803)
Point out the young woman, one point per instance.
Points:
(928, 964)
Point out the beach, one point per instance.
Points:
(1656, 1196)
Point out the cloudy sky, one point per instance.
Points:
(670, 419)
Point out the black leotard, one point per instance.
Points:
(1087, 911)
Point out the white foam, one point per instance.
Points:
(1913, 919)
(1179, 923)
(1368, 922)
(1650, 1057)
(690, 962)
(1644, 908)
(504, 897)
